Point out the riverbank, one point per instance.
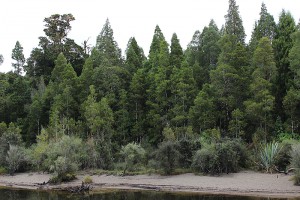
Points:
(246, 183)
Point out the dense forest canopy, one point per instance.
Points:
(219, 87)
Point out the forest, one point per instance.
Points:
(218, 106)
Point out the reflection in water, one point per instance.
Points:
(9, 194)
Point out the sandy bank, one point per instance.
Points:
(244, 183)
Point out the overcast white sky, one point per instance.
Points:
(23, 19)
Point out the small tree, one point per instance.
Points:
(167, 156)
(133, 155)
(15, 157)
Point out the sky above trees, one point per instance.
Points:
(23, 20)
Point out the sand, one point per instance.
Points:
(247, 183)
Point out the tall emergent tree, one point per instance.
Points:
(282, 44)
(264, 27)
(234, 23)
(18, 56)
(109, 52)
(42, 59)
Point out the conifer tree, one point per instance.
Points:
(282, 44)
(210, 48)
(176, 54)
(137, 107)
(18, 56)
(109, 52)
(234, 23)
(183, 89)
(260, 106)
(292, 99)
(134, 56)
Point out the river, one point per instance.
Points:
(14, 194)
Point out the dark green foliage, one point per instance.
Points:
(186, 148)
(42, 59)
(264, 27)
(176, 54)
(221, 157)
(234, 23)
(206, 160)
(77, 111)
(291, 101)
(134, 56)
(284, 157)
(168, 156)
(282, 44)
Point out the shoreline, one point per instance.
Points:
(245, 183)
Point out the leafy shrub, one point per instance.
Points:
(186, 149)
(167, 156)
(3, 170)
(223, 157)
(283, 160)
(15, 158)
(206, 160)
(296, 163)
(87, 180)
(133, 155)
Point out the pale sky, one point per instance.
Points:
(22, 20)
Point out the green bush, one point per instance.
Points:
(222, 157)
(15, 158)
(206, 160)
(167, 156)
(186, 149)
(133, 155)
(283, 160)
(296, 163)
(3, 170)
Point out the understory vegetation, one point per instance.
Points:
(218, 106)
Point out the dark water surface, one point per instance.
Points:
(13, 194)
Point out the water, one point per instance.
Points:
(13, 194)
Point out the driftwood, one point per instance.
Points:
(284, 172)
(79, 189)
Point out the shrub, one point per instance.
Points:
(296, 163)
(283, 159)
(186, 149)
(15, 158)
(133, 155)
(206, 160)
(87, 180)
(3, 170)
(167, 156)
(223, 157)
